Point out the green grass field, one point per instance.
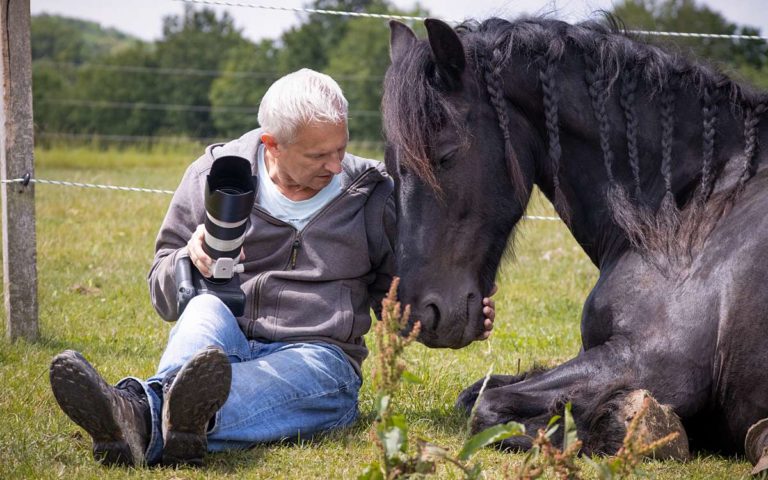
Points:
(94, 249)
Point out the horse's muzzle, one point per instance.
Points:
(453, 326)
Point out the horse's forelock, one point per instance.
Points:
(414, 110)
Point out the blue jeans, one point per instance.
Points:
(279, 390)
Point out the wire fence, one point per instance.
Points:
(173, 107)
(244, 74)
(26, 180)
(226, 3)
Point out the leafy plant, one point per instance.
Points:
(390, 429)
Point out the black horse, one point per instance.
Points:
(654, 164)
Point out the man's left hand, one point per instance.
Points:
(489, 310)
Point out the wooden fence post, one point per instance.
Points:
(16, 158)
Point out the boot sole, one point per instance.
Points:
(86, 399)
(199, 390)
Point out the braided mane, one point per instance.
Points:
(415, 110)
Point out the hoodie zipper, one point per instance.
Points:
(296, 246)
(295, 251)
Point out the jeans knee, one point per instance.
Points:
(209, 311)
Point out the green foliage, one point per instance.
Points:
(690, 16)
(95, 99)
(198, 40)
(488, 436)
(63, 39)
(358, 62)
(237, 87)
(91, 80)
(100, 83)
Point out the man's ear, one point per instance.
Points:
(270, 142)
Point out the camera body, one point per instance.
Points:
(230, 192)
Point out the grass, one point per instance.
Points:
(94, 249)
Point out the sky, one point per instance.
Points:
(143, 18)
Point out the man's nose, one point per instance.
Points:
(334, 164)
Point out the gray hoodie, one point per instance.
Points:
(317, 285)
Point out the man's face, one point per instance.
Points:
(313, 158)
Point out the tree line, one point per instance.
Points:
(203, 78)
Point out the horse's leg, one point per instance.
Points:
(468, 396)
(598, 383)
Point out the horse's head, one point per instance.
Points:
(459, 191)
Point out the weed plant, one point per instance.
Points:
(390, 429)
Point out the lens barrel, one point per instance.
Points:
(229, 196)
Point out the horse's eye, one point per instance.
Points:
(445, 158)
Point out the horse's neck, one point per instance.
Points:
(586, 177)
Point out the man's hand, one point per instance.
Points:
(199, 258)
(489, 310)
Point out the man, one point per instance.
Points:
(317, 255)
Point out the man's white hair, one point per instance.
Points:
(299, 99)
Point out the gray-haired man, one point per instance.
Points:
(317, 256)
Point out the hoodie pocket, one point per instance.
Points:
(308, 310)
(347, 313)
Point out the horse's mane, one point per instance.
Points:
(415, 109)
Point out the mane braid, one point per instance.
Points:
(709, 112)
(598, 93)
(667, 134)
(551, 98)
(627, 102)
(493, 80)
(751, 120)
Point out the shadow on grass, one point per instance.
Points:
(91, 348)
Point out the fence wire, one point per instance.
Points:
(62, 183)
(226, 3)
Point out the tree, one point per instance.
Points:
(688, 16)
(358, 63)
(60, 46)
(63, 39)
(245, 77)
(308, 45)
(198, 40)
(112, 98)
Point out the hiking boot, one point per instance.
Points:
(756, 446)
(191, 398)
(118, 419)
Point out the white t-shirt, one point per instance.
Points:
(296, 213)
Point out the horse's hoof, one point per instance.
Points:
(756, 446)
(658, 422)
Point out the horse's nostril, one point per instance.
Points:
(432, 308)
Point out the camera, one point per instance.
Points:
(230, 192)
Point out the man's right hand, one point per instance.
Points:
(199, 258)
(197, 255)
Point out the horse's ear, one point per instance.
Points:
(446, 46)
(401, 40)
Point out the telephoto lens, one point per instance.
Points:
(230, 192)
(229, 197)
